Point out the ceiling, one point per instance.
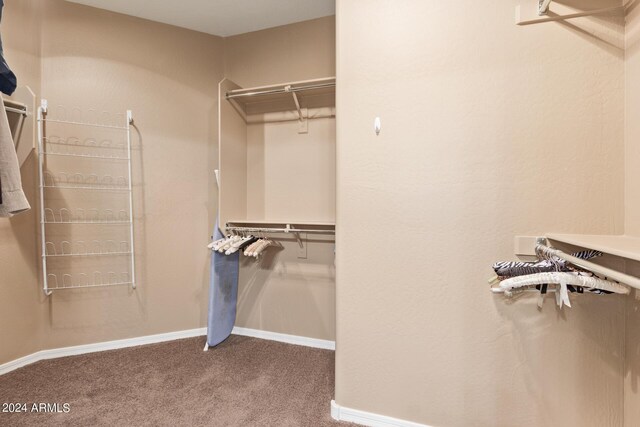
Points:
(220, 17)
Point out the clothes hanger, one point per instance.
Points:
(215, 242)
(256, 245)
(215, 245)
(248, 242)
(518, 268)
(219, 243)
(575, 278)
(264, 245)
(235, 247)
(234, 238)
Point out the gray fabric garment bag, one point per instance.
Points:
(13, 198)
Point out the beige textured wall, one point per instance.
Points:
(92, 59)
(168, 77)
(291, 176)
(300, 51)
(19, 293)
(632, 208)
(632, 356)
(632, 120)
(80, 57)
(489, 130)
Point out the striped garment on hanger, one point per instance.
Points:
(518, 268)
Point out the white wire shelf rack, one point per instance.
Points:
(86, 142)
(83, 280)
(86, 222)
(79, 181)
(87, 156)
(96, 125)
(82, 216)
(88, 254)
(78, 187)
(82, 248)
(90, 147)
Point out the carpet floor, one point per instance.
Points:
(242, 382)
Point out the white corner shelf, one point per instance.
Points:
(306, 94)
(617, 245)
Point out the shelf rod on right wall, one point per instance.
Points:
(623, 278)
(543, 11)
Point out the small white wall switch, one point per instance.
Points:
(377, 125)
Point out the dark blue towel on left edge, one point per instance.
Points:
(8, 80)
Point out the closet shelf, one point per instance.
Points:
(15, 107)
(617, 245)
(281, 227)
(281, 222)
(291, 96)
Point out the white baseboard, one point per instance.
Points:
(157, 338)
(101, 346)
(289, 339)
(19, 363)
(340, 413)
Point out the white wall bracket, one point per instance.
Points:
(543, 7)
(542, 13)
(302, 119)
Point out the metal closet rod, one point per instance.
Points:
(623, 278)
(286, 89)
(280, 230)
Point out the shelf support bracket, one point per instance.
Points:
(545, 16)
(302, 120)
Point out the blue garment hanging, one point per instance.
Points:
(223, 293)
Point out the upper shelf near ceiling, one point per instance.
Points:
(292, 96)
